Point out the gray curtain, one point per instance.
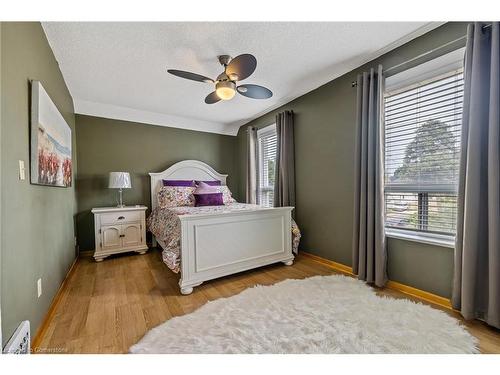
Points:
(476, 285)
(369, 247)
(251, 169)
(284, 184)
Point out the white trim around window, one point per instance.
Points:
(266, 156)
(267, 130)
(442, 240)
(420, 203)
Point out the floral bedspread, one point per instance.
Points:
(164, 223)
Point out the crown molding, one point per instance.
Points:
(110, 111)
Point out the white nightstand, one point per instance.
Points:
(118, 230)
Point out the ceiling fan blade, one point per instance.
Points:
(241, 67)
(255, 91)
(189, 75)
(212, 98)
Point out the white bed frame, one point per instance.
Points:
(220, 244)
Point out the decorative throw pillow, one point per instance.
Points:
(211, 183)
(178, 183)
(208, 199)
(204, 188)
(206, 195)
(226, 194)
(176, 196)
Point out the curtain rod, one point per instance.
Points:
(443, 46)
(409, 61)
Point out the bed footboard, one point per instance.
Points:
(215, 245)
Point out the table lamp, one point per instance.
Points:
(119, 180)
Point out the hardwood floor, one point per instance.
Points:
(109, 306)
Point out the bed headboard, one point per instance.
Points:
(184, 170)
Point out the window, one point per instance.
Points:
(266, 146)
(422, 151)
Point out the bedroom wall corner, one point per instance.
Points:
(106, 145)
(36, 221)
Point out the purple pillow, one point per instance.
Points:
(178, 182)
(208, 199)
(211, 183)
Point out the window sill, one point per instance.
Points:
(427, 238)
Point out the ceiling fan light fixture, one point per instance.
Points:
(235, 70)
(225, 90)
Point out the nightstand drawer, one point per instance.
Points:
(120, 217)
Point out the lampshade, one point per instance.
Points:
(225, 90)
(119, 180)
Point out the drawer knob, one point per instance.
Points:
(121, 217)
(122, 235)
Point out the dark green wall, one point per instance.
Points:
(37, 221)
(106, 145)
(324, 150)
(424, 266)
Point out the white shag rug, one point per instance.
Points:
(321, 314)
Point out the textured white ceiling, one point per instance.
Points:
(118, 70)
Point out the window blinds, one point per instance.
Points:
(422, 151)
(267, 161)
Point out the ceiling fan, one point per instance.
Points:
(226, 84)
